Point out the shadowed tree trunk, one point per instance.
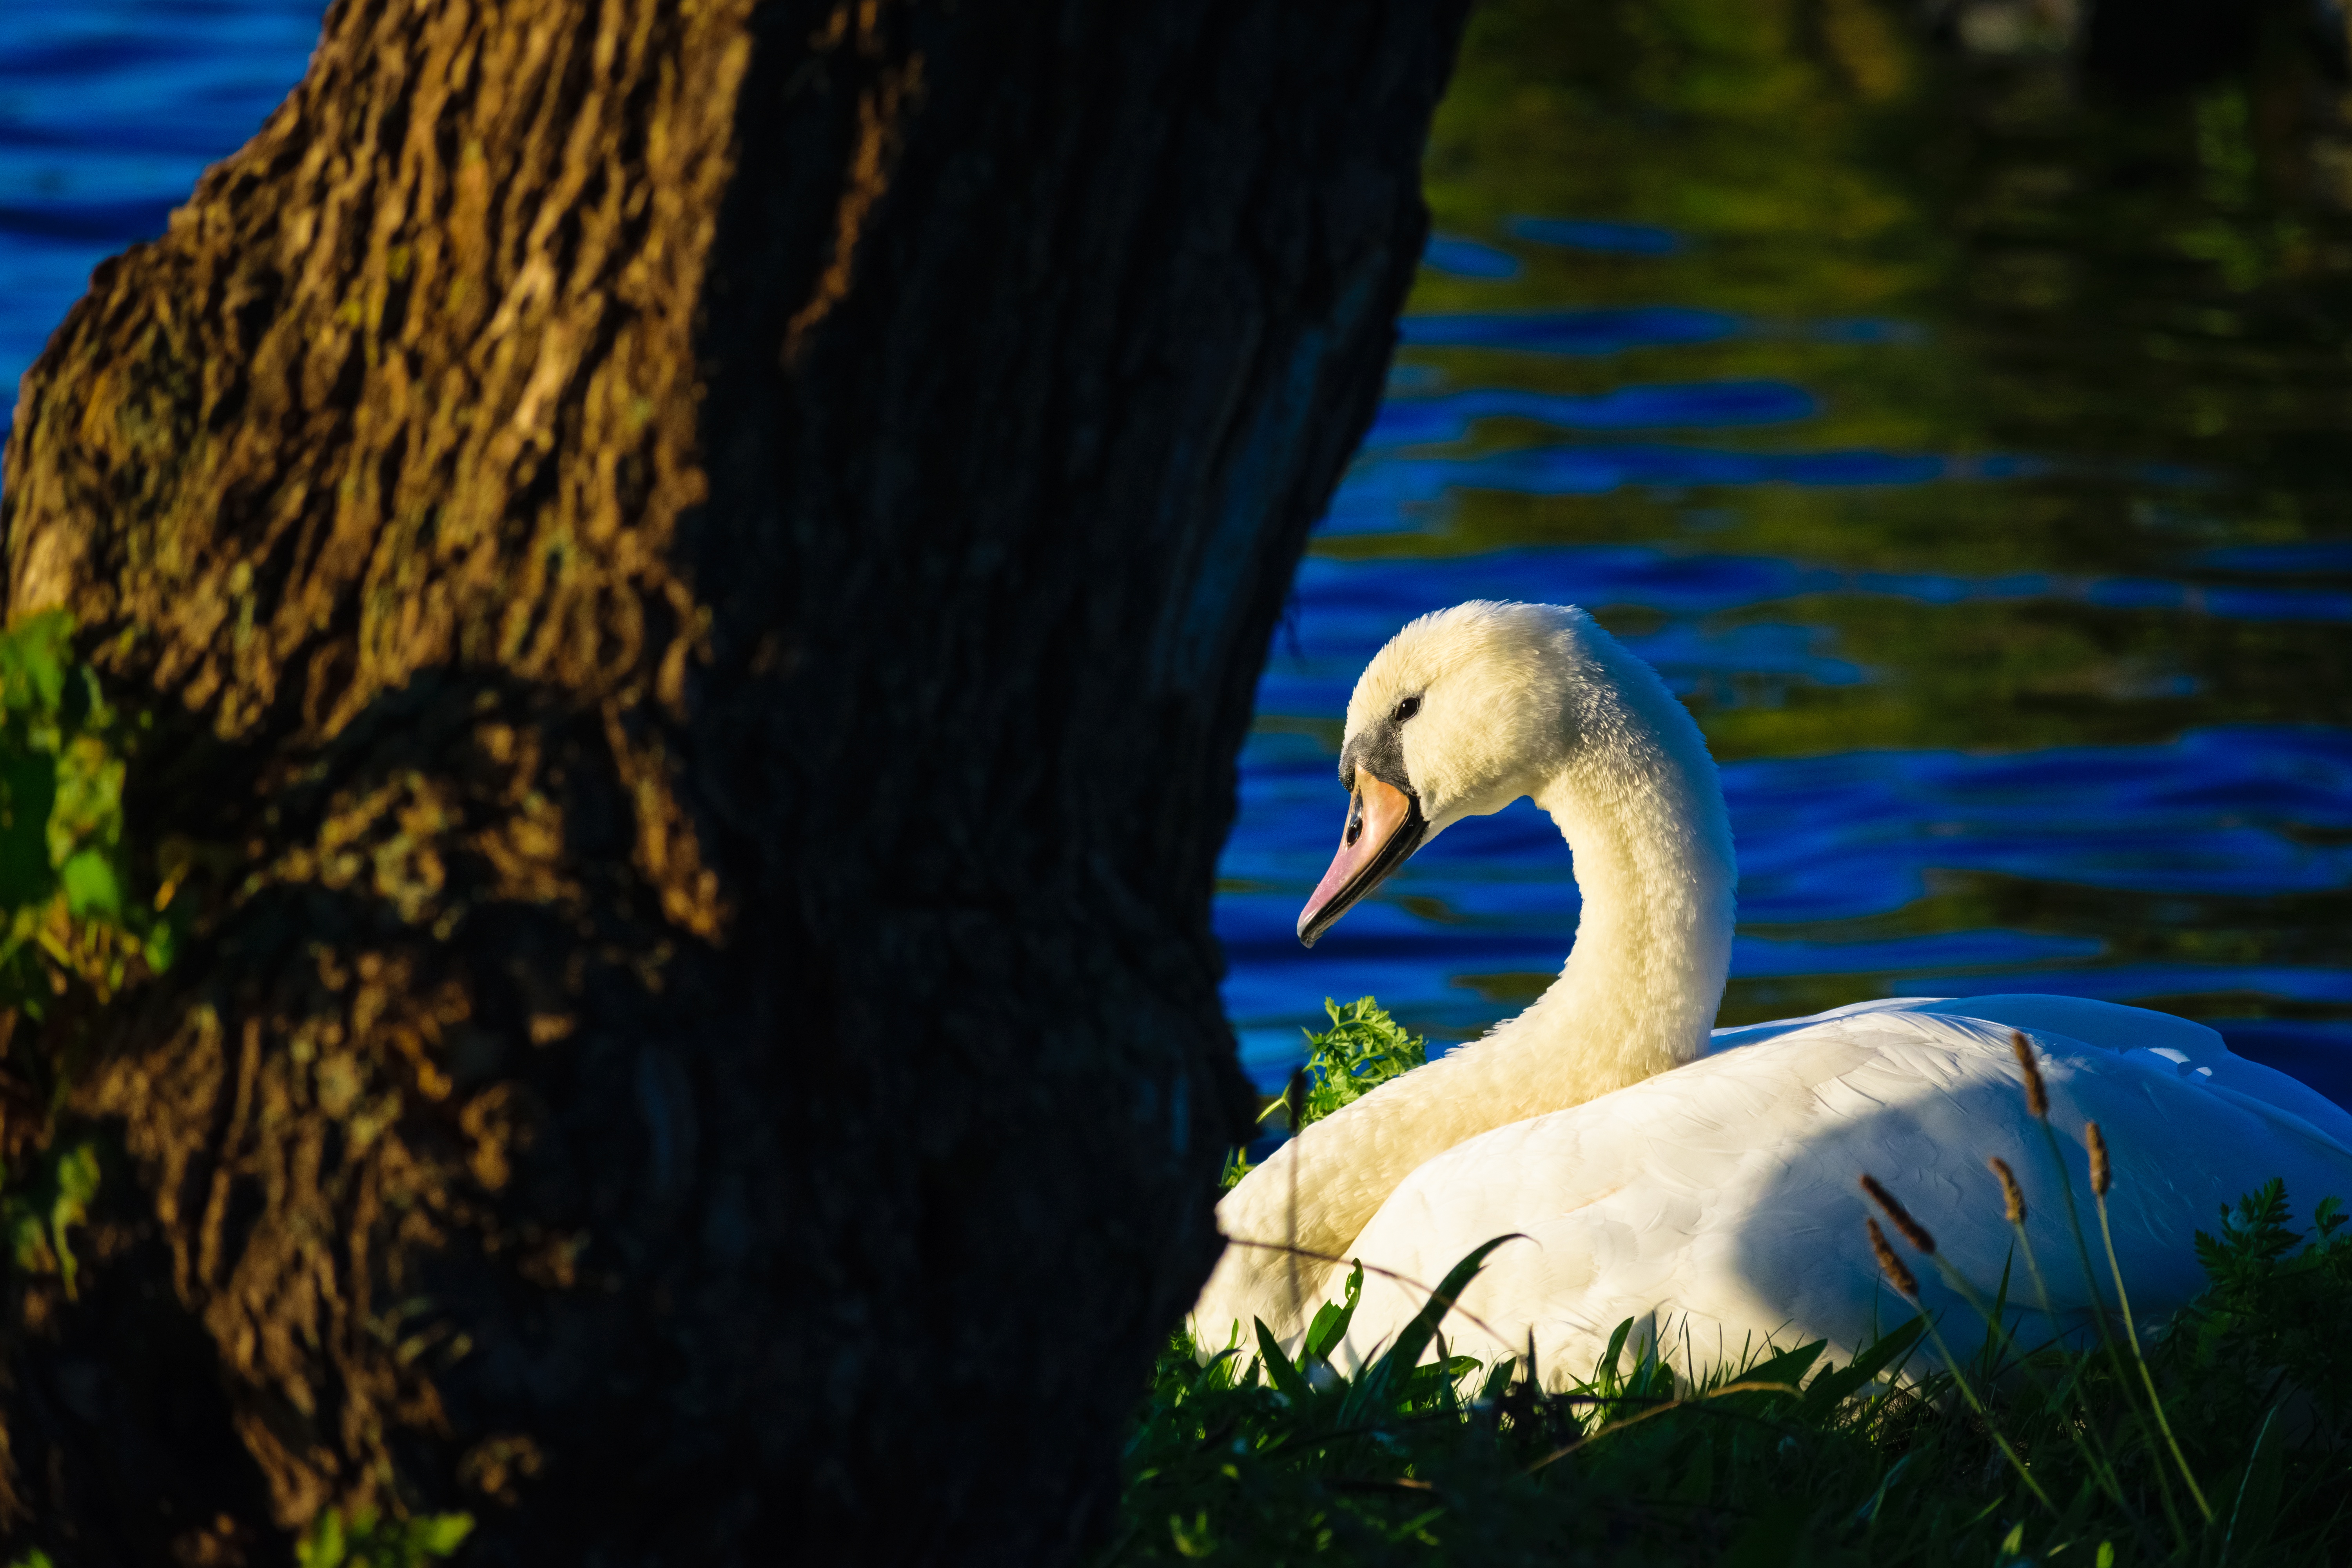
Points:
(700, 570)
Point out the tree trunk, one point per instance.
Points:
(700, 570)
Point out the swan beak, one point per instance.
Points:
(1384, 825)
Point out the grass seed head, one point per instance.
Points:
(2012, 1196)
(1901, 1277)
(1913, 1231)
(2103, 1175)
(2037, 1097)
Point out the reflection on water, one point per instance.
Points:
(1969, 454)
(1969, 451)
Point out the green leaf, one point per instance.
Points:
(439, 1534)
(1363, 1049)
(77, 1178)
(1372, 1389)
(1609, 1374)
(1279, 1368)
(1217, 1373)
(1193, 1540)
(33, 657)
(1416, 1527)
(1788, 1366)
(77, 1184)
(1436, 1380)
(368, 1540)
(88, 809)
(322, 1545)
(161, 945)
(50, 1199)
(91, 886)
(1836, 1384)
(1331, 1320)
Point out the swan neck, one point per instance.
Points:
(1643, 816)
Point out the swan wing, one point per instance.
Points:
(2192, 1049)
(1717, 1206)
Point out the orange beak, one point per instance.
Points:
(1384, 826)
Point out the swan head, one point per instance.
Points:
(1462, 713)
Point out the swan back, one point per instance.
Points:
(2177, 1046)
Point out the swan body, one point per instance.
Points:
(1700, 1182)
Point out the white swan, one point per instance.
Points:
(1701, 1183)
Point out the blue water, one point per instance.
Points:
(2024, 656)
(1962, 754)
(109, 110)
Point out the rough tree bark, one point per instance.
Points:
(701, 569)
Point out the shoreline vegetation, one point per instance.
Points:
(2223, 1439)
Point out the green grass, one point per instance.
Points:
(2026, 1453)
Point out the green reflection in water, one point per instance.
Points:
(2153, 296)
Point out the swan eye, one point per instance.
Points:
(1407, 709)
